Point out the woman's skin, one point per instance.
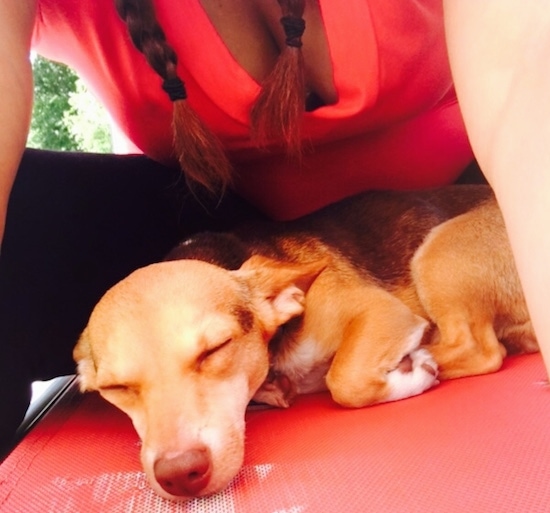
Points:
(16, 22)
(499, 51)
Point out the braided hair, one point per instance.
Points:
(276, 114)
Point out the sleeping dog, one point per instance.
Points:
(374, 298)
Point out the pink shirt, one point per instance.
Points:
(396, 123)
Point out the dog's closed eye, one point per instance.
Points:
(114, 388)
(119, 392)
(208, 353)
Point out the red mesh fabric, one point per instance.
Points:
(472, 445)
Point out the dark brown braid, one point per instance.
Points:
(199, 152)
(276, 115)
(279, 108)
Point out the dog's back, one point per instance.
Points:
(377, 232)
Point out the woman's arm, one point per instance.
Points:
(500, 56)
(16, 25)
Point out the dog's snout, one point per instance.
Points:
(186, 474)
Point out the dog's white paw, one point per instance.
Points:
(416, 373)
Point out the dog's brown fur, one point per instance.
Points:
(359, 298)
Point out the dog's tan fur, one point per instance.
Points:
(362, 299)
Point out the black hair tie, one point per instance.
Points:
(175, 88)
(294, 29)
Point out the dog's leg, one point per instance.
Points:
(379, 359)
(519, 338)
(467, 282)
(463, 346)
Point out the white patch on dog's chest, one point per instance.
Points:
(306, 366)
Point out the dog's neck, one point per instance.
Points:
(298, 359)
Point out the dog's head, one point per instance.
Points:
(181, 347)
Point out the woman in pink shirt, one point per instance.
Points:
(380, 107)
(283, 107)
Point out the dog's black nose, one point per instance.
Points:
(184, 475)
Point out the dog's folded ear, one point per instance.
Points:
(86, 370)
(279, 288)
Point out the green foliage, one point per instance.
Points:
(65, 116)
(88, 121)
(53, 84)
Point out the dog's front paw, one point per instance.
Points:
(416, 373)
(276, 391)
